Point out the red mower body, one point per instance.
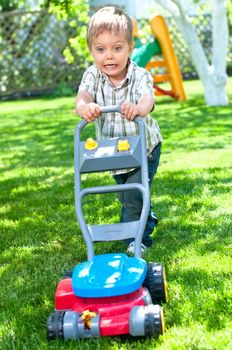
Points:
(114, 311)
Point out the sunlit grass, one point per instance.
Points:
(40, 238)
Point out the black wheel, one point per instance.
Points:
(146, 321)
(154, 321)
(55, 325)
(68, 274)
(155, 281)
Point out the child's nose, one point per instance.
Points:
(109, 54)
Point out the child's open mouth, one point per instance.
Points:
(110, 66)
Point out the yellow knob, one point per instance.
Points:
(87, 316)
(90, 144)
(123, 145)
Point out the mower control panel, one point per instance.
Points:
(109, 154)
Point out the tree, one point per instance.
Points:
(78, 11)
(212, 74)
(18, 43)
(10, 5)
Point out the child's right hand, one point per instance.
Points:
(89, 111)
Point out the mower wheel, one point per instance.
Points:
(55, 325)
(146, 321)
(156, 283)
(154, 321)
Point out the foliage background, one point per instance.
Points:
(40, 54)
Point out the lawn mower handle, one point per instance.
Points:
(143, 187)
(106, 109)
(110, 109)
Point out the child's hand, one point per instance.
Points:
(89, 111)
(130, 110)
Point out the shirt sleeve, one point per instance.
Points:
(145, 85)
(88, 82)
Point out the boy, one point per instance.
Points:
(115, 80)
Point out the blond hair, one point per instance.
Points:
(109, 19)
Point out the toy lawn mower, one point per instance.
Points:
(110, 294)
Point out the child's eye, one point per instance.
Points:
(118, 48)
(100, 49)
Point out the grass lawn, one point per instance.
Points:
(40, 238)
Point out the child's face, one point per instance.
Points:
(110, 52)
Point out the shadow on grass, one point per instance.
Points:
(46, 138)
(187, 213)
(202, 298)
(40, 238)
(193, 127)
(193, 231)
(40, 140)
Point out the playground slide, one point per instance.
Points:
(161, 33)
(143, 55)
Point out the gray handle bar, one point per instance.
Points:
(110, 109)
(106, 109)
(143, 187)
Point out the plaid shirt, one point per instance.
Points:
(138, 82)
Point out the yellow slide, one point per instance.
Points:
(161, 33)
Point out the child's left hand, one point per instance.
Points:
(130, 110)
